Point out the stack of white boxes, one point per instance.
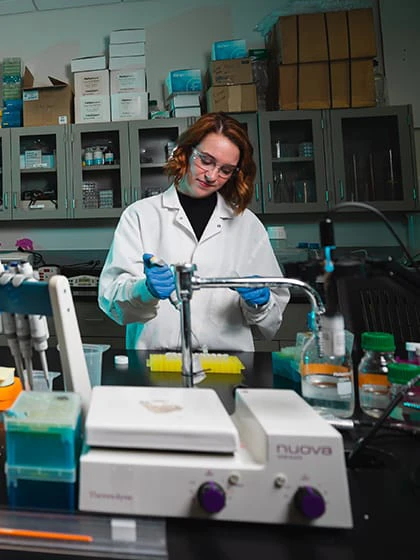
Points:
(91, 89)
(182, 91)
(127, 65)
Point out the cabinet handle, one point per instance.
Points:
(341, 189)
(136, 194)
(6, 200)
(14, 200)
(269, 191)
(73, 203)
(125, 197)
(257, 192)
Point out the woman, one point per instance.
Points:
(203, 219)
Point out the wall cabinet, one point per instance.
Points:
(307, 161)
(311, 160)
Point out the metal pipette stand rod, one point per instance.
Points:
(187, 281)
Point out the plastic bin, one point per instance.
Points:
(33, 488)
(43, 430)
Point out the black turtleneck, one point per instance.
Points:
(198, 211)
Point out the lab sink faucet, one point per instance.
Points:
(187, 280)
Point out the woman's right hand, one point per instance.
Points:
(160, 280)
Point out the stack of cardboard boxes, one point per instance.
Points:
(12, 93)
(229, 80)
(322, 60)
(117, 92)
(127, 64)
(182, 92)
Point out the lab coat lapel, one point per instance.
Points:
(221, 213)
(170, 201)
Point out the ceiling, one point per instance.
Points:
(9, 7)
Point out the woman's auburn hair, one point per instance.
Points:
(239, 189)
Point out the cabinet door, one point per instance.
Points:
(250, 124)
(292, 147)
(101, 169)
(5, 176)
(373, 157)
(39, 180)
(150, 144)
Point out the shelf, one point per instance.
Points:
(100, 167)
(297, 159)
(39, 170)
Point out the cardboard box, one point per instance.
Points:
(324, 85)
(92, 109)
(128, 80)
(121, 62)
(45, 105)
(86, 63)
(136, 35)
(127, 49)
(357, 73)
(129, 106)
(223, 50)
(186, 112)
(228, 72)
(338, 36)
(304, 86)
(362, 35)
(323, 36)
(183, 80)
(178, 100)
(95, 82)
(232, 99)
(300, 38)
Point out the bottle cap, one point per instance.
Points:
(402, 373)
(378, 341)
(7, 376)
(121, 360)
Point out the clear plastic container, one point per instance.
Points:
(327, 381)
(374, 387)
(408, 410)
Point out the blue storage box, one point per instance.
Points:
(33, 488)
(183, 80)
(43, 430)
(225, 50)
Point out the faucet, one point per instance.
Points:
(187, 280)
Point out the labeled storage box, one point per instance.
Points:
(92, 109)
(95, 82)
(87, 63)
(128, 81)
(129, 106)
(135, 35)
(126, 49)
(232, 99)
(43, 430)
(119, 62)
(230, 72)
(183, 80)
(46, 104)
(32, 488)
(222, 50)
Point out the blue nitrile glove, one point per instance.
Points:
(160, 279)
(254, 296)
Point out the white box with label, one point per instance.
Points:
(91, 83)
(92, 109)
(126, 49)
(136, 35)
(128, 106)
(128, 81)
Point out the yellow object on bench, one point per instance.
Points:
(209, 363)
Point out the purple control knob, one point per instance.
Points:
(211, 497)
(309, 502)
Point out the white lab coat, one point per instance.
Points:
(230, 246)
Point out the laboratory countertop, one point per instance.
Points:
(385, 500)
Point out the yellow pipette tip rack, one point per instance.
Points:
(209, 363)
